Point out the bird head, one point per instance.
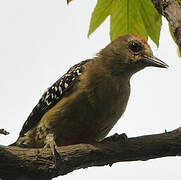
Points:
(131, 53)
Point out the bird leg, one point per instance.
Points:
(50, 143)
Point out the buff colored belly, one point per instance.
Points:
(83, 116)
(76, 119)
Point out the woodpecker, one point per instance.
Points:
(86, 102)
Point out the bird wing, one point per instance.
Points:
(53, 95)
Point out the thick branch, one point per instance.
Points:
(39, 163)
(172, 11)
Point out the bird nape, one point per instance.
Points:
(86, 102)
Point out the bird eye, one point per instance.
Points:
(135, 47)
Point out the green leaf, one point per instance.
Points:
(128, 17)
(178, 52)
(171, 32)
(100, 13)
(173, 37)
(179, 1)
(68, 1)
(151, 18)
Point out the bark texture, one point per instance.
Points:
(39, 163)
(171, 10)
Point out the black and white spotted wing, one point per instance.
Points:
(53, 95)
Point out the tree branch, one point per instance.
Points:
(39, 164)
(2, 131)
(171, 9)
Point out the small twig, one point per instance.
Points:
(3, 131)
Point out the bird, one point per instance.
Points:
(86, 102)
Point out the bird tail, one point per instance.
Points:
(20, 142)
(13, 144)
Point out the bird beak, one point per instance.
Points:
(153, 61)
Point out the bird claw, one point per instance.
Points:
(121, 138)
(50, 143)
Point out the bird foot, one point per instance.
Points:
(121, 138)
(50, 143)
